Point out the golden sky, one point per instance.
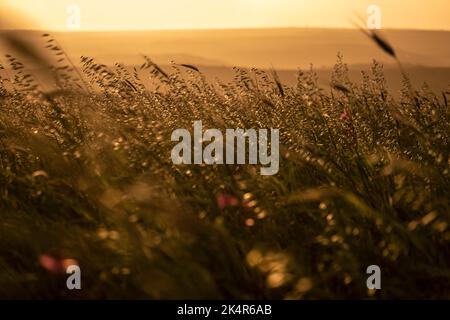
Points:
(194, 14)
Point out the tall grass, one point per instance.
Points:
(86, 175)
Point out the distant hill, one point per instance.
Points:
(282, 48)
(425, 53)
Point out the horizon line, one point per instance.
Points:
(215, 29)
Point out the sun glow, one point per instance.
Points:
(204, 14)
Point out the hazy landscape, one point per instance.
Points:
(424, 54)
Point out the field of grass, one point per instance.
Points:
(86, 177)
